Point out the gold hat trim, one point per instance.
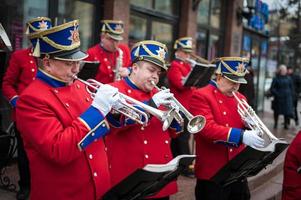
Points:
(54, 29)
(179, 41)
(61, 47)
(106, 22)
(232, 71)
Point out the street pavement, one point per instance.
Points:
(259, 191)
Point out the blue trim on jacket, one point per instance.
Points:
(95, 120)
(42, 75)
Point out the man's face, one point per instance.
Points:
(108, 43)
(62, 70)
(144, 73)
(226, 86)
(183, 54)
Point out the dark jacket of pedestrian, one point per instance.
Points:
(282, 91)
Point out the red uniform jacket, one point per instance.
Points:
(133, 146)
(178, 70)
(291, 179)
(21, 71)
(219, 141)
(107, 61)
(52, 121)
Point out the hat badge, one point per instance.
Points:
(74, 37)
(240, 68)
(118, 28)
(189, 43)
(43, 25)
(161, 53)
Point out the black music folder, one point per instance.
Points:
(88, 69)
(149, 180)
(200, 75)
(248, 163)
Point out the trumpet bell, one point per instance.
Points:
(196, 124)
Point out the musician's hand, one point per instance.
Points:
(163, 98)
(249, 122)
(123, 71)
(251, 138)
(105, 97)
(192, 62)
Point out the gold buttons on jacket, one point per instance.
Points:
(215, 91)
(67, 105)
(220, 101)
(87, 99)
(227, 125)
(142, 128)
(129, 91)
(224, 113)
(95, 174)
(146, 156)
(31, 62)
(33, 70)
(166, 142)
(106, 149)
(77, 86)
(230, 150)
(105, 59)
(109, 67)
(56, 91)
(145, 141)
(90, 156)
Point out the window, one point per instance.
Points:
(153, 20)
(209, 32)
(84, 11)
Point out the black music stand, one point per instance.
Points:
(148, 181)
(200, 75)
(88, 69)
(248, 163)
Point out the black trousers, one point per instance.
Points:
(163, 198)
(208, 190)
(23, 164)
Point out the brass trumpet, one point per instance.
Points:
(246, 111)
(129, 110)
(195, 123)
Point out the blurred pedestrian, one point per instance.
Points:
(282, 90)
(296, 78)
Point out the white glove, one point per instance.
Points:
(105, 97)
(192, 62)
(251, 138)
(163, 98)
(248, 122)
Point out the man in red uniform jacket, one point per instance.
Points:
(223, 136)
(291, 188)
(178, 71)
(114, 58)
(131, 146)
(21, 71)
(61, 129)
